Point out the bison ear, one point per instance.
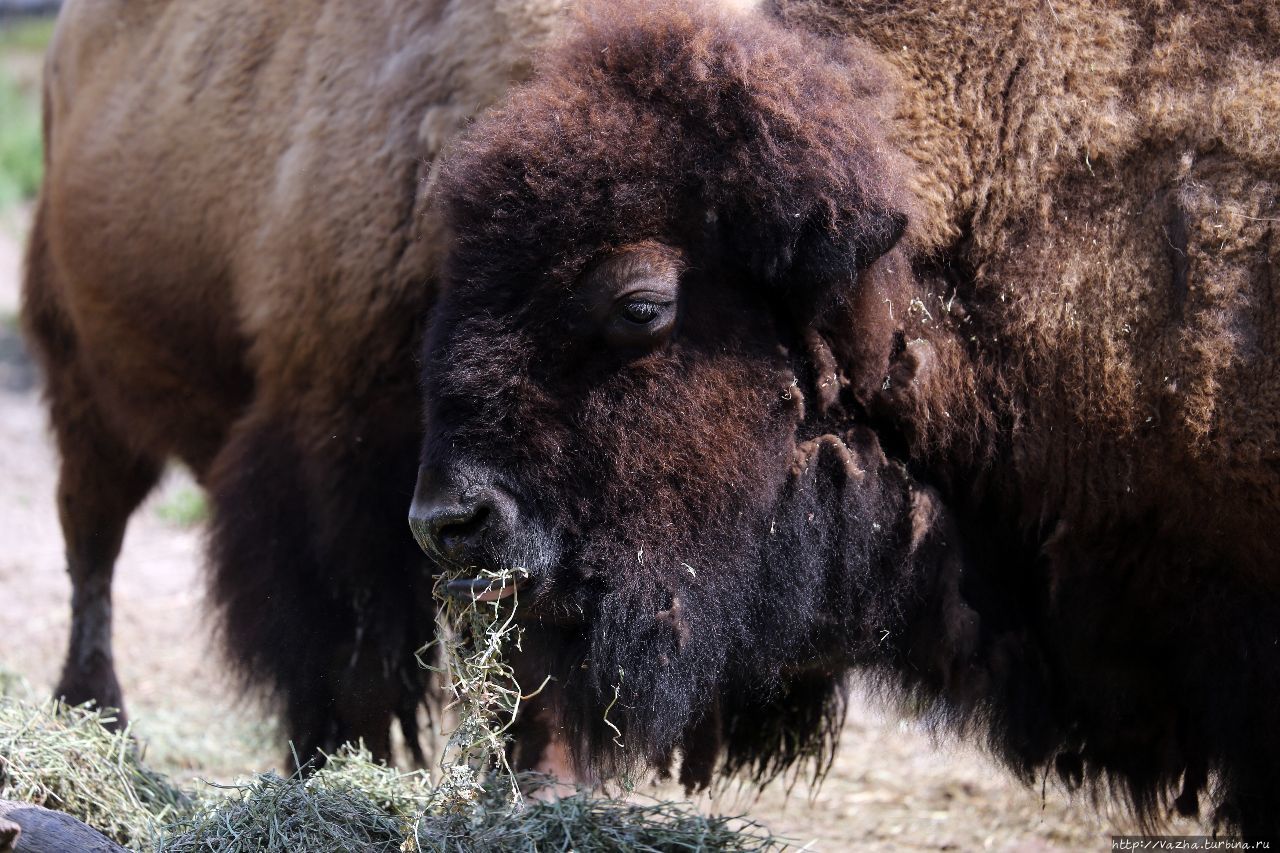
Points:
(820, 260)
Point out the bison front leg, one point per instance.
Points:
(100, 484)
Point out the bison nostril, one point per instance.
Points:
(455, 531)
(459, 525)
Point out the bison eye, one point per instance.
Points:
(641, 311)
(639, 322)
(631, 298)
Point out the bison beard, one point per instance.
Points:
(692, 654)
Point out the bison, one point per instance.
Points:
(902, 338)
(230, 265)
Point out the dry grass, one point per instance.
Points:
(473, 641)
(353, 804)
(64, 759)
(584, 822)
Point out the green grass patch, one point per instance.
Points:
(21, 157)
(30, 35)
(185, 507)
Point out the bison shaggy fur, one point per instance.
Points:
(935, 341)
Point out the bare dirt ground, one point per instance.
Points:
(891, 787)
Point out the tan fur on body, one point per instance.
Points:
(1100, 182)
(1092, 356)
(1093, 340)
(263, 167)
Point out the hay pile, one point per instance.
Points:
(586, 823)
(64, 759)
(353, 804)
(363, 806)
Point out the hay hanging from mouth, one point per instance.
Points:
(479, 804)
(475, 638)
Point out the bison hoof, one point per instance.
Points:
(96, 685)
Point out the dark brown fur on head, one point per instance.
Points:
(680, 564)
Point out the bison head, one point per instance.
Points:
(647, 382)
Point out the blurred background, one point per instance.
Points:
(892, 786)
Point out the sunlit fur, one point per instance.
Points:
(941, 468)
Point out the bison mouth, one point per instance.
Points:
(486, 588)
